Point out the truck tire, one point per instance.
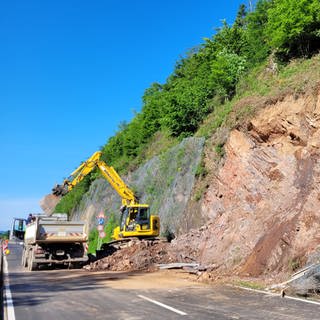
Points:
(24, 259)
(32, 265)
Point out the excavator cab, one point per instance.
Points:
(136, 221)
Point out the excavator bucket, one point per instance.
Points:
(59, 190)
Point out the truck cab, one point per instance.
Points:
(18, 229)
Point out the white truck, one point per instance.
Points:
(51, 240)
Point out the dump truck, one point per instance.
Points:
(51, 240)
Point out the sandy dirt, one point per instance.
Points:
(156, 280)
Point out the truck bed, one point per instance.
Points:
(46, 230)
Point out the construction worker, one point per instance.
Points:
(29, 219)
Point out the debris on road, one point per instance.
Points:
(137, 255)
(178, 265)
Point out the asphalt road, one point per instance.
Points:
(78, 294)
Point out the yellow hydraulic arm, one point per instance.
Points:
(126, 194)
(136, 220)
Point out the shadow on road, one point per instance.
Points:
(33, 288)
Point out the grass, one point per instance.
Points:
(161, 142)
(294, 264)
(249, 284)
(219, 150)
(297, 76)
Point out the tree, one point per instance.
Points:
(231, 39)
(257, 46)
(293, 27)
(240, 19)
(154, 100)
(226, 71)
(188, 91)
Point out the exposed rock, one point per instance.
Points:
(307, 284)
(264, 202)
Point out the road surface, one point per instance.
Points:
(81, 295)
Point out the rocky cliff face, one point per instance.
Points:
(263, 204)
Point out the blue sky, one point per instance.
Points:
(71, 71)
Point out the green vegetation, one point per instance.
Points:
(219, 150)
(249, 284)
(111, 224)
(294, 27)
(295, 264)
(4, 235)
(207, 83)
(201, 170)
(93, 241)
(71, 199)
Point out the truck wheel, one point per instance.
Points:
(31, 264)
(24, 260)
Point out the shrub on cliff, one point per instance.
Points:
(293, 27)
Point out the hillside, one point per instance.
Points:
(226, 151)
(259, 200)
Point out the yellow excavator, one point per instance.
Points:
(135, 220)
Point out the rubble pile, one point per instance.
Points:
(48, 203)
(136, 255)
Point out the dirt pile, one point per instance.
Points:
(48, 203)
(137, 255)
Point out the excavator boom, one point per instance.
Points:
(126, 194)
(136, 220)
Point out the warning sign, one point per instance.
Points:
(102, 234)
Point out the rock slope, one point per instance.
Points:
(263, 204)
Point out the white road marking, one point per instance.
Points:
(8, 302)
(163, 305)
(277, 295)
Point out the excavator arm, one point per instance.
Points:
(135, 220)
(77, 175)
(127, 195)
